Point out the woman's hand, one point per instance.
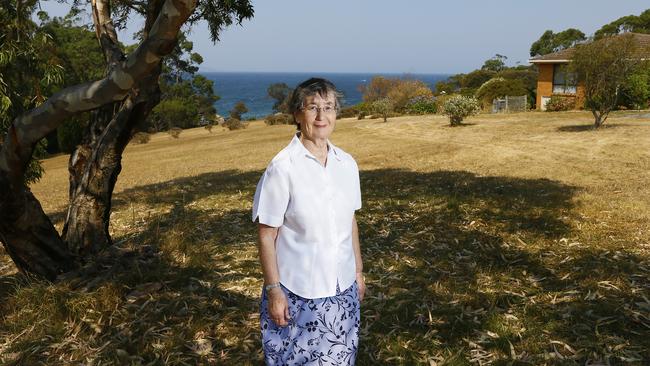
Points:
(278, 307)
(361, 284)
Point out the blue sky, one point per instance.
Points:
(380, 36)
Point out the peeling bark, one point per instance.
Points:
(27, 234)
(97, 162)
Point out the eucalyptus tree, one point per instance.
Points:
(118, 101)
(550, 42)
(603, 67)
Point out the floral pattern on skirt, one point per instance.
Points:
(323, 331)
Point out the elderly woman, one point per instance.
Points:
(309, 240)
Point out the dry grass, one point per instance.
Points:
(516, 239)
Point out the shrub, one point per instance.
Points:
(400, 91)
(383, 107)
(635, 91)
(440, 102)
(499, 88)
(239, 109)
(406, 90)
(234, 124)
(141, 138)
(209, 127)
(278, 119)
(349, 112)
(559, 103)
(458, 107)
(175, 132)
(174, 113)
(422, 106)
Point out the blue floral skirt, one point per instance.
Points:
(323, 331)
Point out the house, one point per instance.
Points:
(553, 79)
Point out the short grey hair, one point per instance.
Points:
(312, 87)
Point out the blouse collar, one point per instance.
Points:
(300, 150)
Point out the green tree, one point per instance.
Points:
(29, 68)
(121, 99)
(237, 111)
(635, 91)
(76, 47)
(383, 107)
(631, 23)
(499, 88)
(280, 93)
(551, 42)
(187, 98)
(477, 78)
(528, 77)
(602, 67)
(495, 64)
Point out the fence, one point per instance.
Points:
(510, 104)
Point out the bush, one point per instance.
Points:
(174, 113)
(559, 103)
(141, 138)
(349, 112)
(459, 107)
(278, 119)
(209, 127)
(383, 107)
(422, 106)
(499, 88)
(234, 124)
(69, 135)
(635, 91)
(237, 111)
(399, 91)
(175, 132)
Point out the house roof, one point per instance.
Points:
(565, 55)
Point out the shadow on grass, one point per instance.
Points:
(467, 268)
(460, 268)
(591, 127)
(463, 124)
(181, 285)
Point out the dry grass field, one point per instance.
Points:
(517, 239)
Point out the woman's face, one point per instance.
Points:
(317, 117)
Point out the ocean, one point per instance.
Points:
(250, 87)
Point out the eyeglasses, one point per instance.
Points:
(312, 109)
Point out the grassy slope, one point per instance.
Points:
(516, 238)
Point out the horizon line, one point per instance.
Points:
(324, 72)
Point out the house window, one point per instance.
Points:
(563, 82)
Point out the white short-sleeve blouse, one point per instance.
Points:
(313, 207)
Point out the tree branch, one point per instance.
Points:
(32, 126)
(105, 31)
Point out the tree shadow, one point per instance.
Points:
(458, 266)
(590, 127)
(463, 124)
(463, 263)
(175, 285)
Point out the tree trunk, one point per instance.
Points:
(28, 235)
(599, 118)
(95, 166)
(26, 232)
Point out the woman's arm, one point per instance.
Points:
(277, 300)
(357, 258)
